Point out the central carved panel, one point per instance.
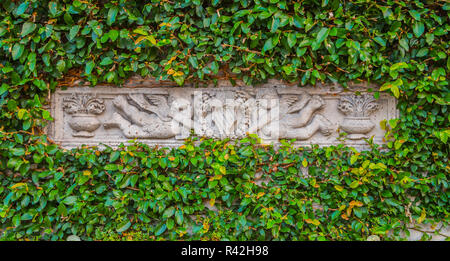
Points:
(166, 116)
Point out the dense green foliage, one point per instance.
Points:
(50, 193)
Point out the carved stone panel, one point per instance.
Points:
(165, 116)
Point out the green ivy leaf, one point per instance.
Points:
(112, 14)
(170, 223)
(89, 66)
(113, 34)
(73, 32)
(422, 52)
(168, 212)
(53, 8)
(418, 29)
(404, 43)
(193, 61)
(415, 14)
(322, 35)
(380, 41)
(275, 24)
(26, 216)
(106, 61)
(124, 226)
(288, 69)
(18, 151)
(354, 184)
(353, 158)
(160, 229)
(114, 156)
(292, 39)
(179, 80)
(70, 200)
(111, 167)
(27, 28)
(268, 45)
(21, 113)
(179, 217)
(17, 51)
(22, 8)
(61, 65)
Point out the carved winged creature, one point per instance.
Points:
(294, 102)
(142, 116)
(152, 103)
(299, 118)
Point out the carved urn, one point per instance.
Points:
(84, 110)
(357, 109)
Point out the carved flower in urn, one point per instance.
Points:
(84, 109)
(357, 109)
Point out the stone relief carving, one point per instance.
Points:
(83, 109)
(144, 116)
(357, 109)
(216, 118)
(294, 117)
(299, 117)
(168, 115)
(245, 112)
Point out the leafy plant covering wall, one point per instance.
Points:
(138, 192)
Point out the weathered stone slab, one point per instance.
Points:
(166, 115)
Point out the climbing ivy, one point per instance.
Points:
(254, 192)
